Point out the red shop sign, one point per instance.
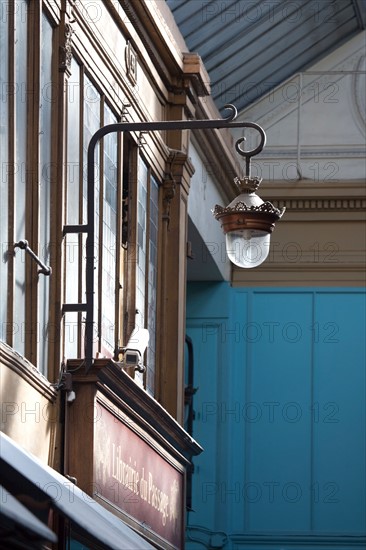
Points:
(133, 476)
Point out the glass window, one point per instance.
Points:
(26, 160)
(109, 235)
(147, 264)
(141, 241)
(152, 284)
(4, 181)
(91, 123)
(44, 191)
(74, 174)
(20, 170)
(87, 108)
(73, 145)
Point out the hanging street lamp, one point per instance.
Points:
(247, 221)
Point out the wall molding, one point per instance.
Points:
(322, 204)
(12, 360)
(271, 541)
(299, 540)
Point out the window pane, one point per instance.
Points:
(91, 125)
(45, 113)
(21, 85)
(141, 241)
(152, 284)
(71, 241)
(72, 252)
(71, 335)
(141, 236)
(109, 235)
(147, 263)
(4, 164)
(73, 145)
(72, 268)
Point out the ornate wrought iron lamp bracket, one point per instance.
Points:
(89, 228)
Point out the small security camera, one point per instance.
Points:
(132, 358)
(133, 353)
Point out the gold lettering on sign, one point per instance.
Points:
(138, 479)
(173, 506)
(143, 484)
(124, 473)
(158, 499)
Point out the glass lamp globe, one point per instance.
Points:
(247, 248)
(248, 222)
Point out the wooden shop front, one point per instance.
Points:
(125, 451)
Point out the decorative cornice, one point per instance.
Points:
(171, 179)
(339, 204)
(196, 74)
(284, 152)
(111, 380)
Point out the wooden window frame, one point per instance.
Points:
(100, 349)
(132, 159)
(31, 332)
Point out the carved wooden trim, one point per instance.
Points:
(195, 74)
(28, 372)
(66, 50)
(122, 390)
(175, 164)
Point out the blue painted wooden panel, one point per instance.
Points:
(339, 395)
(280, 411)
(206, 431)
(279, 385)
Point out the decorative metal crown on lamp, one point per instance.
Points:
(248, 221)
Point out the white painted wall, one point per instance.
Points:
(208, 241)
(315, 121)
